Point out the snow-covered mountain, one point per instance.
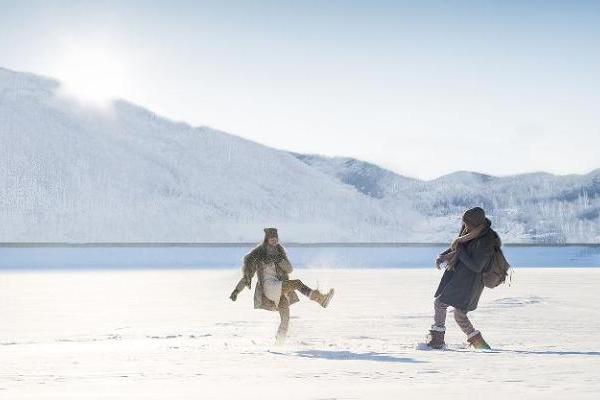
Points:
(78, 174)
(534, 207)
(70, 173)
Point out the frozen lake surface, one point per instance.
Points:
(315, 256)
(174, 334)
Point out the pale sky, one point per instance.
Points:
(423, 88)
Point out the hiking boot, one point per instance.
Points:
(436, 340)
(477, 342)
(322, 299)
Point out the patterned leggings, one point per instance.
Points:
(459, 316)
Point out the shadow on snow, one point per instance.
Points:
(348, 355)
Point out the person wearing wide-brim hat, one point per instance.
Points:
(462, 284)
(274, 289)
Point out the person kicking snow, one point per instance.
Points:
(274, 290)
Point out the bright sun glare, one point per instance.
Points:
(92, 75)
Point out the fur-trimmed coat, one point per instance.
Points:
(254, 263)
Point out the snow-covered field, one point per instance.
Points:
(176, 335)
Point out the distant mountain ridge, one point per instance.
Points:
(531, 207)
(74, 174)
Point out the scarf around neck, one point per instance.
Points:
(465, 236)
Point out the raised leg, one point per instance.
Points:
(296, 284)
(314, 295)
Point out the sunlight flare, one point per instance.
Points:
(92, 74)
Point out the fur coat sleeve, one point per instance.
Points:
(250, 266)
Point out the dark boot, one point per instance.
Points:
(437, 339)
(477, 341)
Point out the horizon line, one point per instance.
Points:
(286, 244)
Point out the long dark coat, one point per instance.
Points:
(462, 287)
(254, 263)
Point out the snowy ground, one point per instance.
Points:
(175, 335)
